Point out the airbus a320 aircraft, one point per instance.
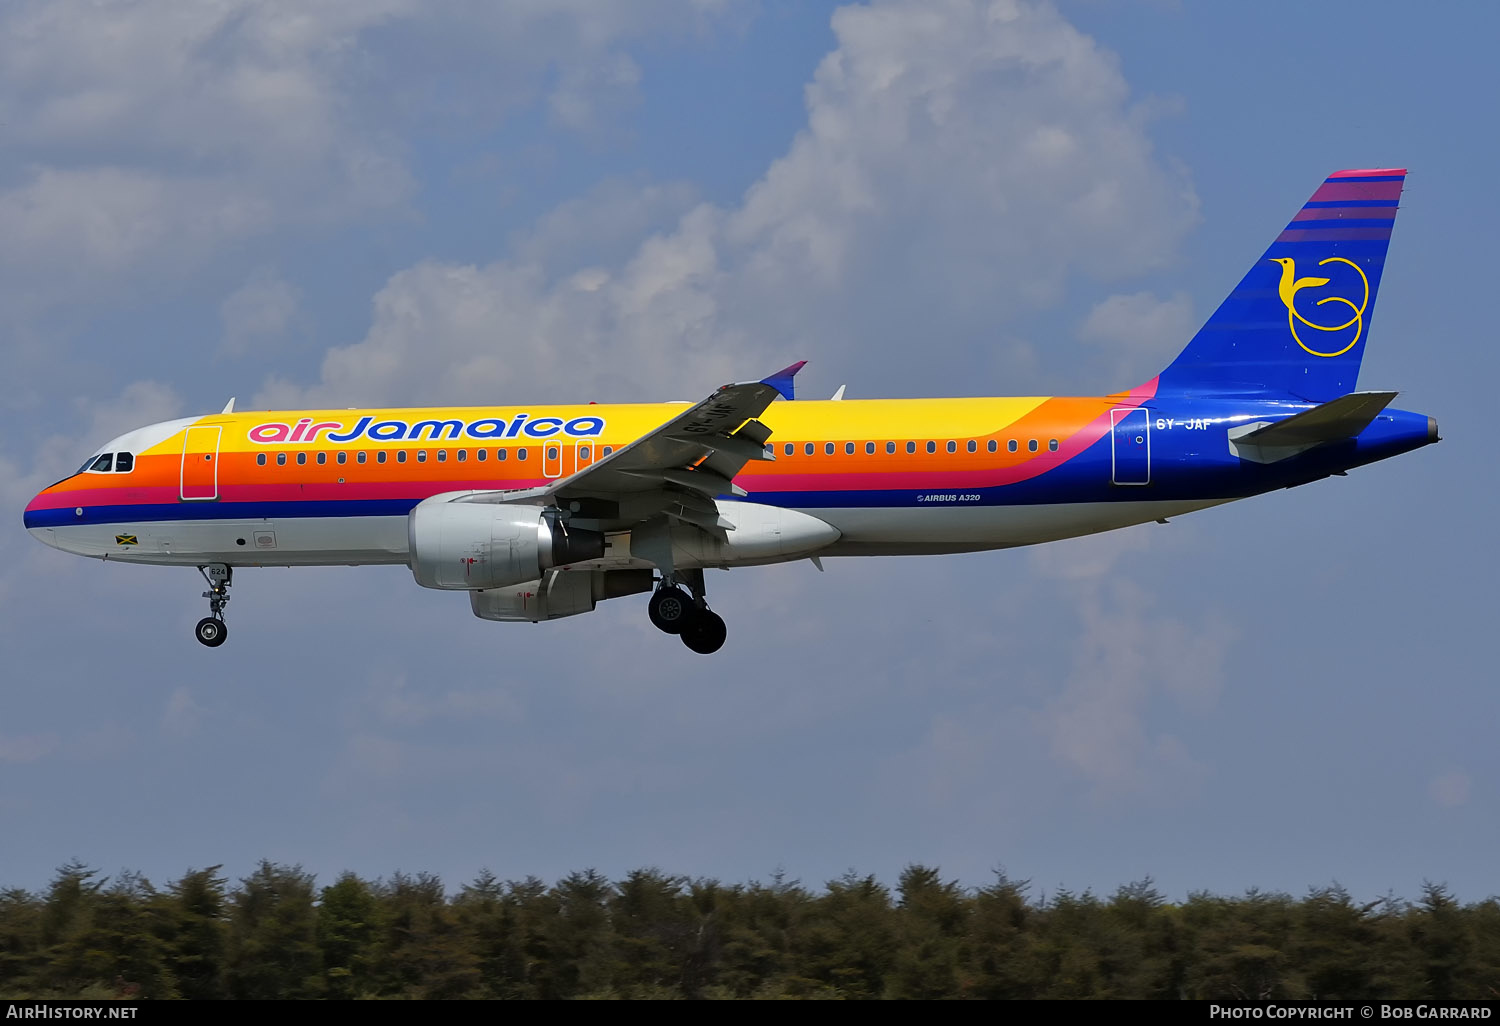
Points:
(542, 512)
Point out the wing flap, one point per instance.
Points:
(696, 453)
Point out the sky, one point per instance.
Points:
(390, 202)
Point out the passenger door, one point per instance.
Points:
(1130, 446)
(199, 480)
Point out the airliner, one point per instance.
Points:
(542, 512)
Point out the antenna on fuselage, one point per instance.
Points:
(840, 393)
(229, 406)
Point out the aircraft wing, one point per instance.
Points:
(687, 461)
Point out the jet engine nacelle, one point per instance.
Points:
(462, 546)
(557, 595)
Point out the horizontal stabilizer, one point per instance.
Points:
(1341, 418)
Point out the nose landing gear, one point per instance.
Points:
(673, 610)
(211, 630)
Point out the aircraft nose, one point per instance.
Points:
(37, 524)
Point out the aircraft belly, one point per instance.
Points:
(906, 530)
(334, 541)
(292, 541)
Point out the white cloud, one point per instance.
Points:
(587, 94)
(969, 156)
(1125, 654)
(257, 312)
(1142, 331)
(142, 136)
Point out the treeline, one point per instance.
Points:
(276, 934)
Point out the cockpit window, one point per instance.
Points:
(110, 462)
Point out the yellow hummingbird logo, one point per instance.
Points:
(1291, 285)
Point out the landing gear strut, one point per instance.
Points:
(684, 612)
(212, 630)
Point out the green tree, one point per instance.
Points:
(932, 925)
(349, 917)
(1441, 938)
(579, 938)
(190, 919)
(273, 937)
(425, 954)
(21, 957)
(998, 961)
(756, 929)
(850, 942)
(1241, 948)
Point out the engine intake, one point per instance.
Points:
(463, 546)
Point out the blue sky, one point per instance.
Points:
(446, 202)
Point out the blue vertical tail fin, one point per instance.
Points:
(1296, 324)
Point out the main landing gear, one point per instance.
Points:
(212, 630)
(677, 610)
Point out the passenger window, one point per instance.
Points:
(991, 446)
(608, 449)
(1031, 445)
(1052, 445)
(848, 448)
(401, 456)
(302, 459)
(463, 454)
(973, 445)
(1010, 446)
(952, 446)
(521, 453)
(809, 448)
(260, 459)
(869, 448)
(552, 452)
(380, 456)
(500, 454)
(442, 455)
(481, 454)
(828, 448)
(103, 464)
(281, 459)
(123, 462)
(322, 458)
(890, 447)
(359, 457)
(932, 447)
(583, 452)
(790, 448)
(421, 455)
(343, 457)
(911, 446)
